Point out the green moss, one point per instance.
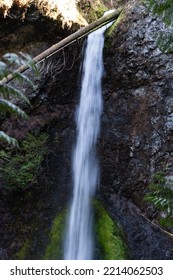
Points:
(98, 11)
(54, 249)
(92, 10)
(109, 236)
(22, 253)
(20, 167)
(115, 25)
(110, 32)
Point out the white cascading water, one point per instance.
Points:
(79, 237)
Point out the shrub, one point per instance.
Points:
(20, 168)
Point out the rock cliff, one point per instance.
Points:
(135, 141)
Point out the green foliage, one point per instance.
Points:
(8, 106)
(164, 9)
(165, 41)
(20, 169)
(8, 94)
(110, 32)
(10, 140)
(93, 10)
(54, 249)
(166, 222)
(109, 236)
(116, 23)
(3, 69)
(161, 195)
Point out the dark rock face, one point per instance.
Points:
(135, 141)
(146, 241)
(136, 138)
(137, 120)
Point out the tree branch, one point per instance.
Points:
(66, 41)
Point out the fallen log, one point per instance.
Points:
(66, 41)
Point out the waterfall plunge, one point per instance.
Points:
(79, 237)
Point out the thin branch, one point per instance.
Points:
(65, 42)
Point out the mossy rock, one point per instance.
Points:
(92, 10)
(109, 237)
(110, 31)
(22, 253)
(20, 167)
(54, 250)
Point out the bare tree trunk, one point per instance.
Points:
(66, 41)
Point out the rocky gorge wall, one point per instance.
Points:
(135, 141)
(137, 124)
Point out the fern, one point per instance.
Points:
(7, 106)
(13, 58)
(8, 93)
(161, 195)
(3, 70)
(10, 140)
(22, 78)
(30, 63)
(166, 222)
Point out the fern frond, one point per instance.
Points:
(33, 67)
(159, 177)
(7, 106)
(25, 56)
(166, 222)
(22, 78)
(3, 70)
(161, 195)
(13, 58)
(8, 91)
(28, 60)
(21, 59)
(10, 140)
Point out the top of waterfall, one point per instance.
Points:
(109, 12)
(110, 23)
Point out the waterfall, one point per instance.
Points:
(79, 238)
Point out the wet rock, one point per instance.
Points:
(146, 240)
(3, 254)
(137, 121)
(136, 137)
(169, 122)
